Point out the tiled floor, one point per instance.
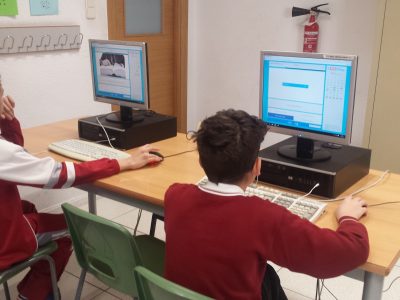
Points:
(297, 286)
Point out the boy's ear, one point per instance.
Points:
(257, 167)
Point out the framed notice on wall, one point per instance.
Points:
(44, 7)
(8, 8)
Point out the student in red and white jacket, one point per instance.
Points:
(22, 228)
(218, 240)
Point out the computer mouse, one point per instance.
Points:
(157, 154)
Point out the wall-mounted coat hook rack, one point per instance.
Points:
(39, 38)
(8, 39)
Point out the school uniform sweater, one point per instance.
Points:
(18, 167)
(218, 241)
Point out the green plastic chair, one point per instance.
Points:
(109, 252)
(154, 287)
(43, 253)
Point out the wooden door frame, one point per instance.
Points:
(374, 73)
(180, 57)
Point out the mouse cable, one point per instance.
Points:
(179, 153)
(364, 188)
(383, 203)
(137, 221)
(390, 285)
(105, 131)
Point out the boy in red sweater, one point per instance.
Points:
(22, 228)
(218, 240)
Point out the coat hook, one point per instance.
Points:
(8, 37)
(81, 39)
(77, 43)
(59, 39)
(42, 39)
(23, 42)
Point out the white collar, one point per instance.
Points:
(221, 189)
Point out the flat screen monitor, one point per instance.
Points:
(310, 96)
(119, 76)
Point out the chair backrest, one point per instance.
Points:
(103, 248)
(153, 287)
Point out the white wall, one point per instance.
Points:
(54, 85)
(226, 36)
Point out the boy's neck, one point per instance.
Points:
(245, 181)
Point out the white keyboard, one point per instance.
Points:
(84, 151)
(306, 208)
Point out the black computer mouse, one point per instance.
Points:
(157, 154)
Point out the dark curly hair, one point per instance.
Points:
(228, 144)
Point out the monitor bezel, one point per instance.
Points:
(318, 136)
(123, 103)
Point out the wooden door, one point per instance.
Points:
(384, 133)
(167, 56)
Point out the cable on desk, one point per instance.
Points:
(105, 131)
(179, 153)
(299, 198)
(381, 177)
(305, 195)
(383, 203)
(102, 141)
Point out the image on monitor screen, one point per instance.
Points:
(119, 77)
(309, 96)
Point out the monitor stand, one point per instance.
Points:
(126, 116)
(304, 150)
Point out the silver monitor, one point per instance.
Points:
(310, 96)
(119, 76)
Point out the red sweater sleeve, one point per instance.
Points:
(90, 171)
(320, 252)
(86, 172)
(11, 131)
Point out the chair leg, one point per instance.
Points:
(154, 218)
(153, 224)
(80, 285)
(6, 291)
(53, 275)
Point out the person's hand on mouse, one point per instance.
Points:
(352, 207)
(139, 157)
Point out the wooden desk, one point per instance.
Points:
(145, 189)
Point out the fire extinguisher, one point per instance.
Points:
(311, 32)
(311, 29)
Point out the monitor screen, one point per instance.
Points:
(308, 95)
(119, 74)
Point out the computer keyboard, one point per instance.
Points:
(305, 207)
(84, 150)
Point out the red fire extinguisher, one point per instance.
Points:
(311, 32)
(311, 29)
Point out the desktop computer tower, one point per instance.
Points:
(347, 165)
(153, 128)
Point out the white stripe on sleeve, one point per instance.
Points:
(70, 174)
